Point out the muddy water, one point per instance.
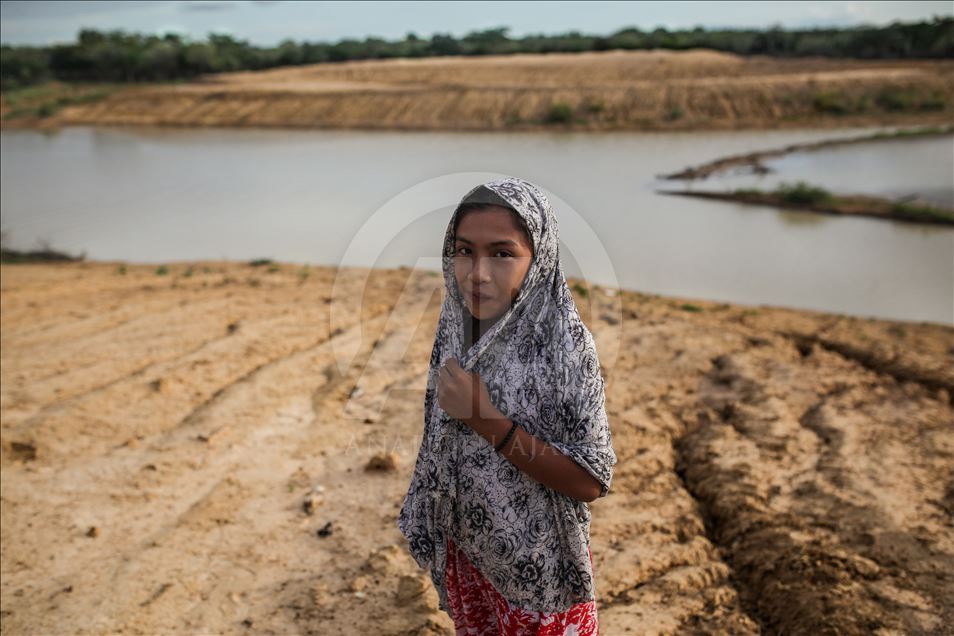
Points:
(151, 195)
(891, 168)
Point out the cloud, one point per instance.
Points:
(207, 6)
(44, 11)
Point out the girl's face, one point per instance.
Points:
(492, 255)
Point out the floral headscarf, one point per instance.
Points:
(541, 369)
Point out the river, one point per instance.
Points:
(151, 195)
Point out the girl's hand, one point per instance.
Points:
(463, 395)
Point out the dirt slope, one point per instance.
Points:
(610, 90)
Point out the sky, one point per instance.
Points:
(268, 22)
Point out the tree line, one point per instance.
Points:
(117, 56)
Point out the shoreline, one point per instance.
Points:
(835, 205)
(55, 124)
(188, 267)
(795, 126)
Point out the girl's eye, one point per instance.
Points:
(463, 251)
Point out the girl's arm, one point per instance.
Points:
(464, 395)
(536, 458)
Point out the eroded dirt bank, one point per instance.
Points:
(780, 471)
(696, 89)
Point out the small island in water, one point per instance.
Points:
(802, 196)
(810, 198)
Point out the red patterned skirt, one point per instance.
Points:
(477, 608)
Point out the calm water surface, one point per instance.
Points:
(893, 169)
(161, 195)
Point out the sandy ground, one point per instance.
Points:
(780, 471)
(696, 89)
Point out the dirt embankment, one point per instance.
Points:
(780, 471)
(854, 205)
(611, 90)
(752, 161)
(802, 196)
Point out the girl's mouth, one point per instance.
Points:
(478, 297)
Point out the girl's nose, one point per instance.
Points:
(481, 270)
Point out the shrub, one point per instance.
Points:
(747, 191)
(894, 100)
(560, 113)
(922, 212)
(935, 101)
(831, 102)
(595, 107)
(802, 193)
(674, 113)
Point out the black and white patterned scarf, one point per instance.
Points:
(541, 369)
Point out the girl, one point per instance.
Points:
(516, 439)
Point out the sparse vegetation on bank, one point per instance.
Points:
(43, 253)
(802, 196)
(46, 100)
(38, 256)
